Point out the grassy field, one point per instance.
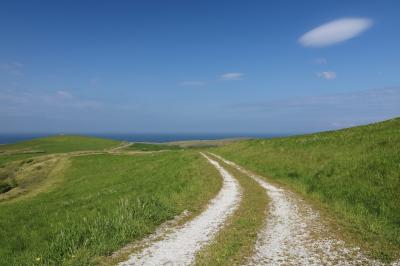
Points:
(19, 169)
(58, 144)
(103, 202)
(5, 159)
(76, 210)
(152, 147)
(353, 173)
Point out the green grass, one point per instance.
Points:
(30, 176)
(102, 203)
(13, 158)
(354, 174)
(235, 242)
(5, 159)
(58, 144)
(152, 147)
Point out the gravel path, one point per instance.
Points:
(295, 235)
(181, 245)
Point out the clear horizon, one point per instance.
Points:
(226, 67)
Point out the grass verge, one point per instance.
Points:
(235, 242)
(103, 203)
(353, 173)
(152, 147)
(57, 144)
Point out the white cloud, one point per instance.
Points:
(13, 68)
(335, 31)
(28, 102)
(328, 75)
(323, 112)
(232, 76)
(192, 83)
(320, 61)
(64, 94)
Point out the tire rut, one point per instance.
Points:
(294, 233)
(181, 245)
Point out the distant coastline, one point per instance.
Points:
(12, 138)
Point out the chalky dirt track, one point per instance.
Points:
(294, 233)
(181, 245)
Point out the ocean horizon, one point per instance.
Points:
(142, 137)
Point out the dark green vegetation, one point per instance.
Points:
(7, 185)
(152, 147)
(101, 203)
(353, 173)
(235, 242)
(7, 158)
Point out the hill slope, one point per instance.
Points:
(99, 203)
(61, 143)
(353, 173)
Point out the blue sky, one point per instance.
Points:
(197, 66)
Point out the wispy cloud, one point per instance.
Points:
(232, 76)
(193, 83)
(320, 61)
(223, 77)
(328, 75)
(13, 68)
(64, 94)
(335, 31)
(28, 102)
(324, 112)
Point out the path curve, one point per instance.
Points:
(294, 233)
(181, 245)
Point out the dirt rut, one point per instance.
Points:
(294, 233)
(180, 246)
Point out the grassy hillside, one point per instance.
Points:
(57, 144)
(353, 173)
(17, 158)
(152, 147)
(101, 203)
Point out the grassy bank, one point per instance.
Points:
(352, 173)
(235, 242)
(103, 202)
(57, 144)
(152, 147)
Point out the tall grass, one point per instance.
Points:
(353, 173)
(104, 202)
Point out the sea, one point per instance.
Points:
(134, 137)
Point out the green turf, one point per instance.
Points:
(152, 147)
(354, 173)
(5, 159)
(104, 202)
(57, 144)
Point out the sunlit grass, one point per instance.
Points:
(354, 173)
(56, 144)
(103, 203)
(152, 147)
